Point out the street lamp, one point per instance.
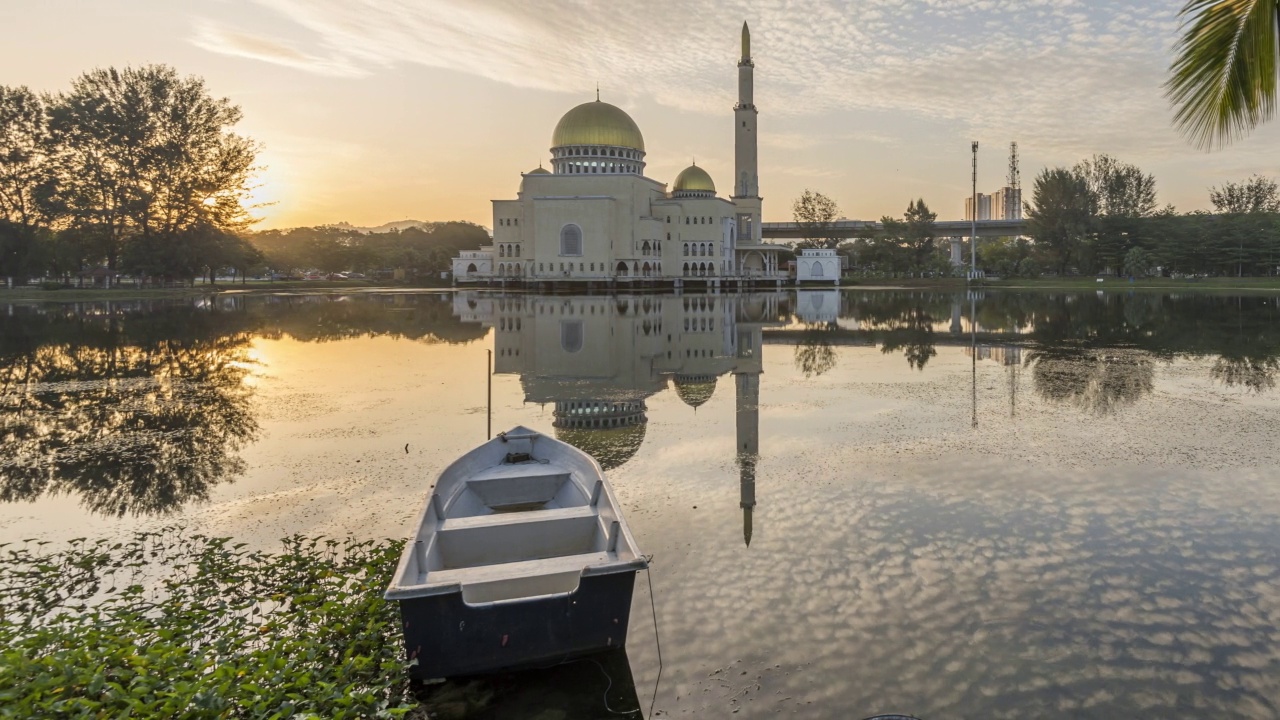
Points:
(973, 215)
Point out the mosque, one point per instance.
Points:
(594, 218)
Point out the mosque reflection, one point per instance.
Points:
(598, 360)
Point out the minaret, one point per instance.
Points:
(746, 377)
(746, 183)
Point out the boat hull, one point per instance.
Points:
(450, 638)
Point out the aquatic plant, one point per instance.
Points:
(174, 624)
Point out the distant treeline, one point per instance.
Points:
(1100, 216)
(132, 170)
(138, 171)
(419, 251)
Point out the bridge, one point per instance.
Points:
(867, 228)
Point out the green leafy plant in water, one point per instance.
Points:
(170, 624)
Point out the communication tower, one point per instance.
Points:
(1015, 175)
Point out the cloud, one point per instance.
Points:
(1059, 74)
(218, 38)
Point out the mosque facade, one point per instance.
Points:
(595, 217)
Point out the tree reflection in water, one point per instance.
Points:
(139, 408)
(814, 355)
(910, 331)
(1252, 373)
(133, 424)
(1099, 381)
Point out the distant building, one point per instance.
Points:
(1003, 204)
(984, 207)
(816, 265)
(1006, 204)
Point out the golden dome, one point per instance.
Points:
(694, 179)
(695, 390)
(597, 123)
(539, 171)
(611, 447)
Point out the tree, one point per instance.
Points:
(147, 154)
(27, 180)
(913, 238)
(1117, 188)
(1256, 195)
(1059, 214)
(816, 213)
(1223, 78)
(1137, 262)
(920, 232)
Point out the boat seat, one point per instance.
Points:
(517, 518)
(525, 568)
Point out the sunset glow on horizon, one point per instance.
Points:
(384, 110)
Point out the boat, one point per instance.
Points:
(520, 558)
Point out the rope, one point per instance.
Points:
(657, 641)
(608, 688)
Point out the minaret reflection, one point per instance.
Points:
(747, 368)
(748, 433)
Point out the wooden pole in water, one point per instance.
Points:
(488, 376)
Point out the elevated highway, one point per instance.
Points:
(866, 228)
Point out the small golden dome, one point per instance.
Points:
(539, 171)
(597, 123)
(694, 179)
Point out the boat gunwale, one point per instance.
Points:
(397, 590)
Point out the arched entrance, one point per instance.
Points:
(645, 270)
(471, 269)
(622, 269)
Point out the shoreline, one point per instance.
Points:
(65, 295)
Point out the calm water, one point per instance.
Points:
(1006, 505)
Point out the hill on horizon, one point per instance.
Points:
(383, 228)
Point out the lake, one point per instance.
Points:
(994, 504)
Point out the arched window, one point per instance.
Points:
(471, 268)
(570, 240)
(517, 251)
(817, 268)
(502, 251)
(571, 335)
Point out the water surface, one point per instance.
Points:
(997, 505)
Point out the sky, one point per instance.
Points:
(371, 111)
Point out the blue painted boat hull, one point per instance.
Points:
(450, 638)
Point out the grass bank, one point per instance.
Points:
(171, 624)
(37, 294)
(1255, 284)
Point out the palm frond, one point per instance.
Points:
(1223, 79)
